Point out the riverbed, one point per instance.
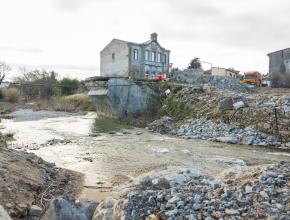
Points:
(109, 160)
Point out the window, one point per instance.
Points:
(164, 58)
(146, 55)
(159, 58)
(153, 56)
(135, 54)
(113, 56)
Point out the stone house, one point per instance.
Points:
(279, 68)
(218, 71)
(127, 59)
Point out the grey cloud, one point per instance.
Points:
(71, 5)
(251, 28)
(87, 68)
(70, 67)
(75, 5)
(23, 50)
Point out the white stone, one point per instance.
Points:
(248, 189)
(228, 139)
(239, 105)
(3, 214)
(35, 210)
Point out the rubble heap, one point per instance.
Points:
(202, 128)
(252, 193)
(252, 119)
(221, 83)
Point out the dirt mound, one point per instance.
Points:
(28, 183)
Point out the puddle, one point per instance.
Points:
(112, 159)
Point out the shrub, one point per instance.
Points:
(11, 94)
(174, 108)
(4, 138)
(37, 83)
(68, 86)
(73, 103)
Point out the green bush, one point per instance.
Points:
(174, 108)
(68, 86)
(4, 138)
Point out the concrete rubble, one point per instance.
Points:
(260, 192)
(67, 208)
(202, 128)
(220, 83)
(228, 116)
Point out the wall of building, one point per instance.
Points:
(217, 71)
(136, 65)
(125, 62)
(279, 68)
(154, 67)
(116, 65)
(119, 98)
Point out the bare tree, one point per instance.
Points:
(4, 70)
(37, 83)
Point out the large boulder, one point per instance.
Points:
(3, 214)
(110, 209)
(67, 209)
(226, 104)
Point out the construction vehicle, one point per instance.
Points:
(253, 78)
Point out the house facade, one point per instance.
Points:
(218, 71)
(279, 68)
(127, 59)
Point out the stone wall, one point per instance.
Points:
(119, 98)
(127, 97)
(114, 59)
(279, 68)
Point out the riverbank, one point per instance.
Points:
(28, 183)
(110, 160)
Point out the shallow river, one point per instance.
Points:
(109, 160)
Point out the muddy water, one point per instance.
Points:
(111, 159)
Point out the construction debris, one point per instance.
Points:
(250, 193)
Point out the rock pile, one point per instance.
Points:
(202, 128)
(251, 193)
(253, 119)
(220, 83)
(164, 125)
(67, 208)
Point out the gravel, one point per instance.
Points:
(260, 192)
(201, 128)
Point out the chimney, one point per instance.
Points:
(154, 36)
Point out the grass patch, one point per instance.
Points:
(71, 103)
(4, 138)
(107, 125)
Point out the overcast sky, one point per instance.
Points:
(67, 35)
